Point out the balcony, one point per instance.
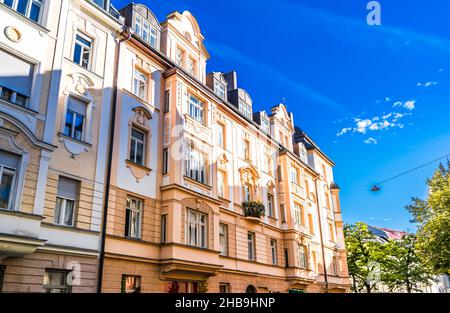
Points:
(253, 210)
(109, 9)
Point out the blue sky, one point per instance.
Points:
(374, 98)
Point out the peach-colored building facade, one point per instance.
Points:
(130, 168)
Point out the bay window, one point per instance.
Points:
(196, 229)
(133, 217)
(29, 8)
(66, 199)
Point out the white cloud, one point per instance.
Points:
(427, 84)
(409, 105)
(371, 141)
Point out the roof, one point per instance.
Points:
(386, 233)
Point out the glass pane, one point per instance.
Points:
(21, 100)
(127, 222)
(137, 134)
(5, 189)
(34, 12)
(68, 215)
(8, 2)
(85, 56)
(132, 151)
(140, 153)
(77, 54)
(83, 41)
(22, 6)
(6, 94)
(79, 122)
(59, 202)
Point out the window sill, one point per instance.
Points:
(81, 142)
(195, 122)
(137, 98)
(138, 171)
(200, 184)
(19, 108)
(83, 69)
(23, 214)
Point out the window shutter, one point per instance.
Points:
(15, 73)
(68, 188)
(77, 106)
(8, 159)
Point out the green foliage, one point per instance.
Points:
(432, 217)
(403, 269)
(362, 251)
(254, 209)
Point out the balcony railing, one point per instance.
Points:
(254, 209)
(106, 6)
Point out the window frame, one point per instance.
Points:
(223, 234)
(83, 50)
(220, 89)
(302, 256)
(133, 210)
(72, 126)
(201, 229)
(13, 187)
(298, 214)
(251, 246)
(197, 109)
(270, 205)
(196, 166)
(137, 283)
(134, 147)
(222, 184)
(227, 288)
(165, 160)
(27, 13)
(164, 228)
(67, 288)
(274, 251)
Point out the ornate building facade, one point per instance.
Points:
(135, 170)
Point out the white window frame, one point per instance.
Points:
(140, 84)
(302, 256)
(84, 48)
(221, 135)
(39, 3)
(298, 214)
(223, 239)
(274, 252)
(146, 31)
(196, 166)
(134, 210)
(196, 229)
(134, 147)
(219, 89)
(61, 205)
(74, 118)
(4, 169)
(179, 57)
(270, 204)
(196, 109)
(251, 246)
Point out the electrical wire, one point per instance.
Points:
(399, 175)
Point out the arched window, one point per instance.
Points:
(251, 289)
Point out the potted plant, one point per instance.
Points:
(253, 209)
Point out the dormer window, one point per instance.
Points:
(265, 125)
(219, 89)
(146, 31)
(29, 8)
(245, 108)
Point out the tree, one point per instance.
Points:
(432, 217)
(403, 269)
(365, 255)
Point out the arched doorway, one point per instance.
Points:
(251, 289)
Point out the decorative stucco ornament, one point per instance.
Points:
(13, 34)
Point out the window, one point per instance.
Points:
(196, 229)
(195, 165)
(131, 284)
(311, 224)
(273, 250)
(179, 57)
(196, 109)
(221, 135)
(221, 184)
(75, 118)
(82, 50)
(219, 89)
(146, 31)
(251, 246)
(245, 108)
(302, 259)
(268, 162)
(307, 188)
(247, 189)
(56, 281)
(298, 214)
(286, 257)
(265, 125)
(2, 274)
(137, 146)
(246, 150)
(140, 84)
(29, 8)
(223, 239)
(224, 288)
(314, 265)
(165, 161)
(191, 67)
(251, 289)
(191, 287)
(133, 218)
(166, 101)
(164, 228)
(9, 164)
(331, 230)
(283, 214)
(16, 77)
(65, 201)
(270, 205)
(294, 175)
(335, 266)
